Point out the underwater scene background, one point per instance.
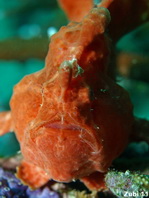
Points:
(25, 31)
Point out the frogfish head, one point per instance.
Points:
(63, 138)
(72, 134)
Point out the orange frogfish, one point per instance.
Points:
(71, 119)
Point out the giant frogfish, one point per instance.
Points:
(71, 119)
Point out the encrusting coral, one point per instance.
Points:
(128, 184)
(10, 187)
(71, 119)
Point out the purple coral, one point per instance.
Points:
(45, 193)
(11, 187)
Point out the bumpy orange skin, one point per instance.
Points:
(73, 125)
(124, 17)
(77, 9)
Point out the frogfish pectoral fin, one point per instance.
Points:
(31, 175)
(6, 124)
(95, 181)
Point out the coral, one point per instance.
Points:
(45, 193)
(83, 194)
(11, 187)
(127, 184)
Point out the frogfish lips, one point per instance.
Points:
(64, 151)
(62, 126)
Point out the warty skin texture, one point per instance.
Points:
(71, 118)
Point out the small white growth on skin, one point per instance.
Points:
(72, 65)
(68, 69)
